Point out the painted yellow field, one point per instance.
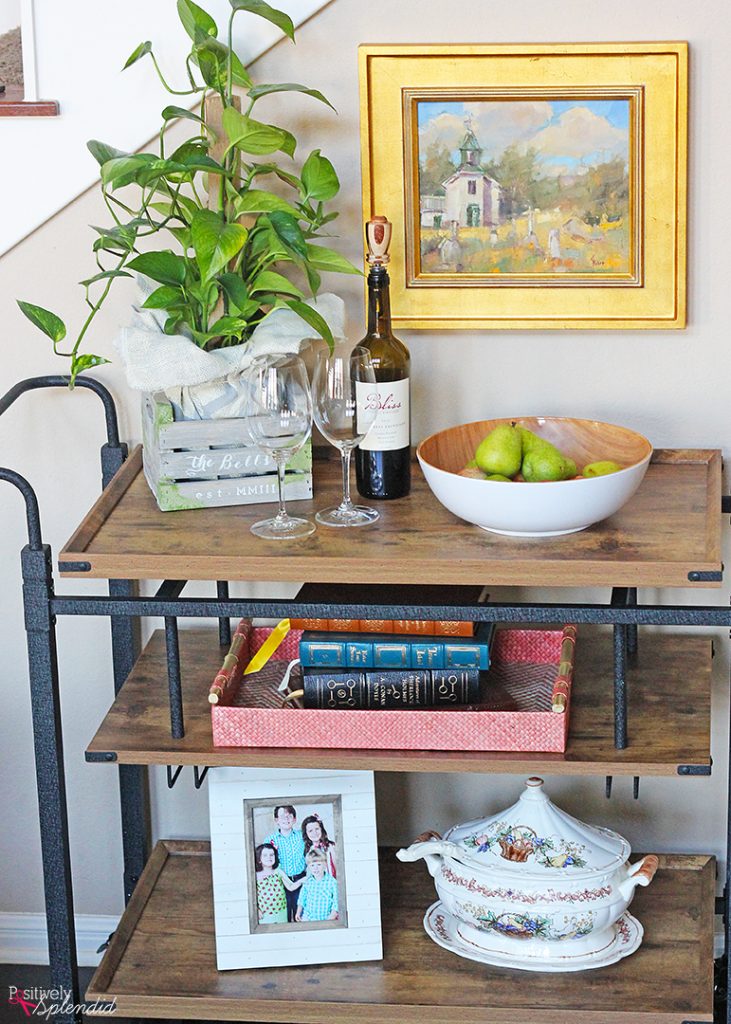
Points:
(559, 244)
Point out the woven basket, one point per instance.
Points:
(517, 713)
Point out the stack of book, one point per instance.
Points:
(375, 663)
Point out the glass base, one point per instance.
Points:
(283, 528)
(355, 515)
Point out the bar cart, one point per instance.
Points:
(631, 717)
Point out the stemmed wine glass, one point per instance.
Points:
(339, 387)
(279, 419)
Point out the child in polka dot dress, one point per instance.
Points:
(271, 883)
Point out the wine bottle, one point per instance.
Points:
(383, 458)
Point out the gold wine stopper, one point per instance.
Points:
(378, 237)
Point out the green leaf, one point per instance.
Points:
(51, 325)
(264, 90)
(182, 235)
(196, 22)
(209, 69)
(313, 318)
(164, 267)
(104, 276)
(140, 51)
(265, 242)
(319, 178)
(170, 113)
(212, 58)
(256, 200)
(322, 258)
(271, 281)
(290, 179)
(163, 297)
(313, 278)
(228, 325)
(103, 152)
(288, 231)
(215, 242)
(254, 136)
(123, 170)
(85, 362)
(120, 238)
(263, 10)
(236, 290)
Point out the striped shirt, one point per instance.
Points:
(291, 850)
(318, 898)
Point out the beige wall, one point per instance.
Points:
(671, 386)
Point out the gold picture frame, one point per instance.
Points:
(558, 202)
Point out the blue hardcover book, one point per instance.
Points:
(395, 651)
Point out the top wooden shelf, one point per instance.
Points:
(666, 535)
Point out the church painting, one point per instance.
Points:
(525, 187)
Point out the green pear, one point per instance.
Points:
(532, 442)
(501, 451)
(500, 478)
(601, 468)
(547, 465)
(544, 461)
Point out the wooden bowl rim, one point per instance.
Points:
(554, 419)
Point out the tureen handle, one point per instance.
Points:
(431, 847)
(641, 873)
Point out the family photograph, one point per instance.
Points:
(296, 858)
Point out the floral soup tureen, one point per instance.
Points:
(533, 888)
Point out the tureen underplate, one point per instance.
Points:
(443, 928)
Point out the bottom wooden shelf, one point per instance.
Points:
(161, 961)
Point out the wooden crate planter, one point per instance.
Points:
(207, 463)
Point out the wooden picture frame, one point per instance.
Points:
(280, 899)
(531, 186)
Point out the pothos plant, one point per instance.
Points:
(219, 271)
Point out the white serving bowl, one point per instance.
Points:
(536, 509)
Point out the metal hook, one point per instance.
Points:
(636, 787)
(173, 775)
(199, 776)
(608, 786)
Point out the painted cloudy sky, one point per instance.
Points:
(567, 134)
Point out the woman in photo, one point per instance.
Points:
(318, 898)
(316, 838)
(271, 886)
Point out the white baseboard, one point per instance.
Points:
(23, 938)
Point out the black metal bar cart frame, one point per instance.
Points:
(125, 608)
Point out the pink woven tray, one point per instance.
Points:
(517, 711)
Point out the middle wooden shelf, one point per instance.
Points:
(669, 686)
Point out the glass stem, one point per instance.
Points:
(279, 459)
(346, 452)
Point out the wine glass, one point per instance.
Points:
(344, 418)
(279, 419)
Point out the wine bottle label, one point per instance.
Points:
(390, 432)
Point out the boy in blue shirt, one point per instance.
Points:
(318, 897)
(290, 845)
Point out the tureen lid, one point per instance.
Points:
(536, 837)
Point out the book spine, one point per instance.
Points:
(323, 650)
(420, 627)
(372, 690)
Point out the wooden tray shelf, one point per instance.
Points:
(670, 528)
(161, 961)
(669, 717)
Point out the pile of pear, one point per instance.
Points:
(514, 453)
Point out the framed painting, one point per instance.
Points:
(533, 186)
(295, 867)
